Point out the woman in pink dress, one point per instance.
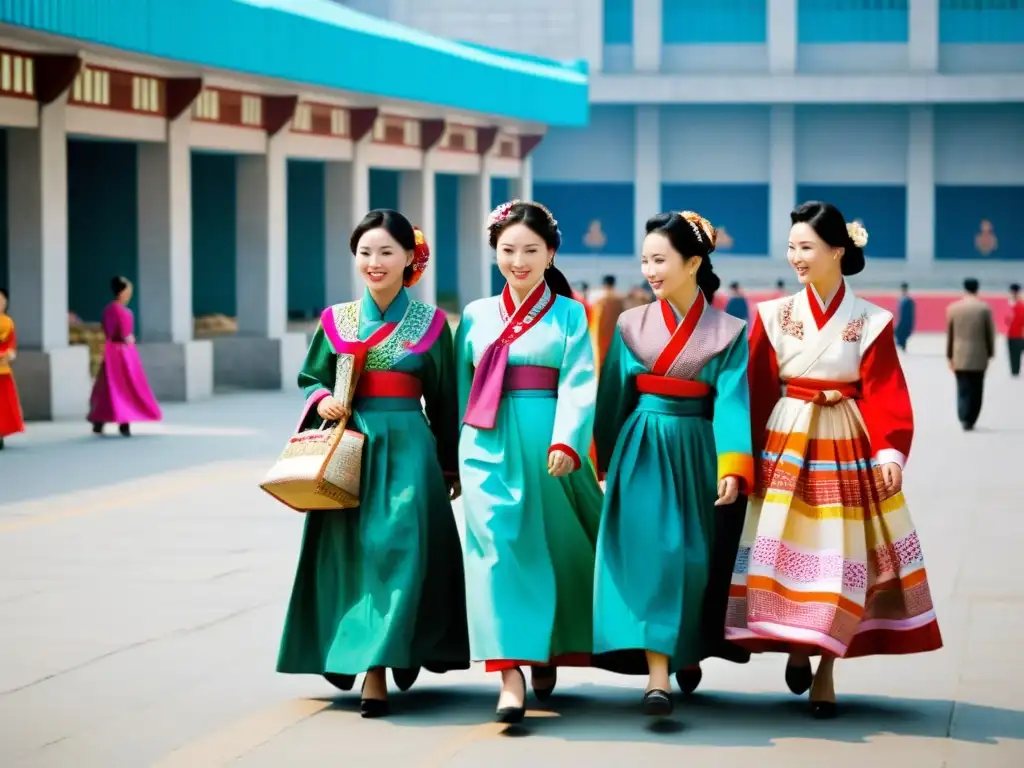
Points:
(121, 394)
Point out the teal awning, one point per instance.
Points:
(321, 43)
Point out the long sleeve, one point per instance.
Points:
(577, 390)
(949, 336)
(441, 398)
(731, 422)
(765, 390)
(463, 365)
(316, 377)
(9, 342)
(885, 403)
(616, 399)
(990, 334)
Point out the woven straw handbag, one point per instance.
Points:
(319, 468)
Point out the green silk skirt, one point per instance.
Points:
(382, 585)
(656, 538)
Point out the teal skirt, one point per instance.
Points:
(382, 585)
(656, 537)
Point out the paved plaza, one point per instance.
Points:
(143, 584)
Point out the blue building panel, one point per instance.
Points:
(701, 22)
(214, 235)
(738, 211)
(595, 217)
(853, 21)
(975, 222)
(618, 22)
(384, 184)
(320, 43)
(443, 236)
(307, 238)
(882, 209)
(981, 21)
(501, 191)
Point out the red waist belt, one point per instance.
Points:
(650, 384)
(822, 392)
(389, 384)
(520, 377)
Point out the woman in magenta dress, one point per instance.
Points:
(121, 394)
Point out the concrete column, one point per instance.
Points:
(591, 24)
(475, 255)
(782, 37)
(924, 36)
(261, 267)
(165, 236)
(647, 154)
(647, 36)
(53, 378)
(37, 195)
(417, 199)
(782, 170)
(347, 201)
(180, 368)
(523, 186)
(921, 186)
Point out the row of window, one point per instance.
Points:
(688, 22)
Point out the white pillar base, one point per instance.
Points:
(250, 362)
(179, 373)
(53, 385)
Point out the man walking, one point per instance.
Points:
(1015, 330)
(905, 315)
(970, 344)
(737, 303)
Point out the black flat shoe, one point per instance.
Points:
(341, 682)
(404, 678)
(512, 715)
(824, 710)
(549, 675)
(97, 428)
(657, 703)
(125, 430)
(689, 679)
(799, 679)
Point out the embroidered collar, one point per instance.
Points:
(672, 315)
(393, 314)
(535, 302)
(821, 314)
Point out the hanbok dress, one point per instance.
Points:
(121, 393)
(829, 560)
(382, 585)
(527, 387)
(672, 420)
(11, 421)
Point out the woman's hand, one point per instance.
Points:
(129, 339)
(331, 409)
(560, 463)
(454, 489)
(893, 476)
(728, 490)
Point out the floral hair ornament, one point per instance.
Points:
(499, 214)
(420, 258)
(857, 233)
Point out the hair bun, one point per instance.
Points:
(707, 231)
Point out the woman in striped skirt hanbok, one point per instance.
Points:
(829, 561)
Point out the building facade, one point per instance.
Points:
(908, 114)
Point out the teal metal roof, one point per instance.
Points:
(321, 43)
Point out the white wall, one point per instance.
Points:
(715, 144)
(851, 145)
(601, 152)
(979, 145)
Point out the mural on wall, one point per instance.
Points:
(975, 222)
(594, 211)
(985, 242)
(739, 212)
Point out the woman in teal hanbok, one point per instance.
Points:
(673, 433)
(382, 585)
(531, 499)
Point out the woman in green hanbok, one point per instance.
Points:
(382, 585)
(531, 499)
(673, 433)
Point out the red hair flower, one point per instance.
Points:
(420, 258)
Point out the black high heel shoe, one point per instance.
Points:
(369, 708)
(799, 679)
(543, 692)
(404, 678)
(688, 679)
(513, 715)
(824, 710)
(657, 703)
